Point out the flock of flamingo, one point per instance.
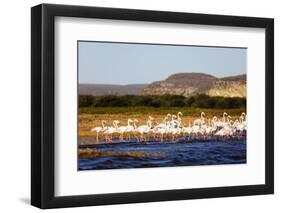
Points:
(172, 128)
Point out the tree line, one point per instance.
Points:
(198, 101)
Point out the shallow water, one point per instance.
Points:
(173, 154)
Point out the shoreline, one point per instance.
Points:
(178, 140)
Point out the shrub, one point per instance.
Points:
(198, 101)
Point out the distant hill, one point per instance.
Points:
(103, 89)
(186, 84)
(241, 78)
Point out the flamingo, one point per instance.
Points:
(200, 121)
(206, 129)
(228, 119)
(99, 129)
(134, 128)
(224, 115)
(174, 130)
(240, 125)
(124, 129)
(225, 131)
(195, 129)
(187, 130)
(179, 115)
(164, 123)
(168, 116)
(161, 128)
(175, 122)
(244, 116)
(179, 119)
(173, 126)
(161, 131)
(130, 128)
(221, 123)
(145, 128)
(111, 130)
(244, 119)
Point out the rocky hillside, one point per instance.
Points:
(188, 84)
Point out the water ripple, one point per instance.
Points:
(179, 154)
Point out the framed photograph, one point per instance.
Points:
(139, 106)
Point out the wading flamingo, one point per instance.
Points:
(99, 129)
(125, 129)
(187, 130)
(201, 120)
(145, 128)
(111, 130)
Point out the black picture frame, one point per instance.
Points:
(43, 101)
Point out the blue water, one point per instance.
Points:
(174, 154)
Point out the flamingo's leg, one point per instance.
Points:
(97, 139)
(138, 140)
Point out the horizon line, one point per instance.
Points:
(125, 84)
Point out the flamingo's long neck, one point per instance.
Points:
(102, 123)
(179, 116)
(224, 117)
(135, 126)
(202, 116)
(241, 119)
(115, 125)
(228, 120)
(212, 123)
(168, 116)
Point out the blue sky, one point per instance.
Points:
(129, 63)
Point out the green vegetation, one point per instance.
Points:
(156, 101)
